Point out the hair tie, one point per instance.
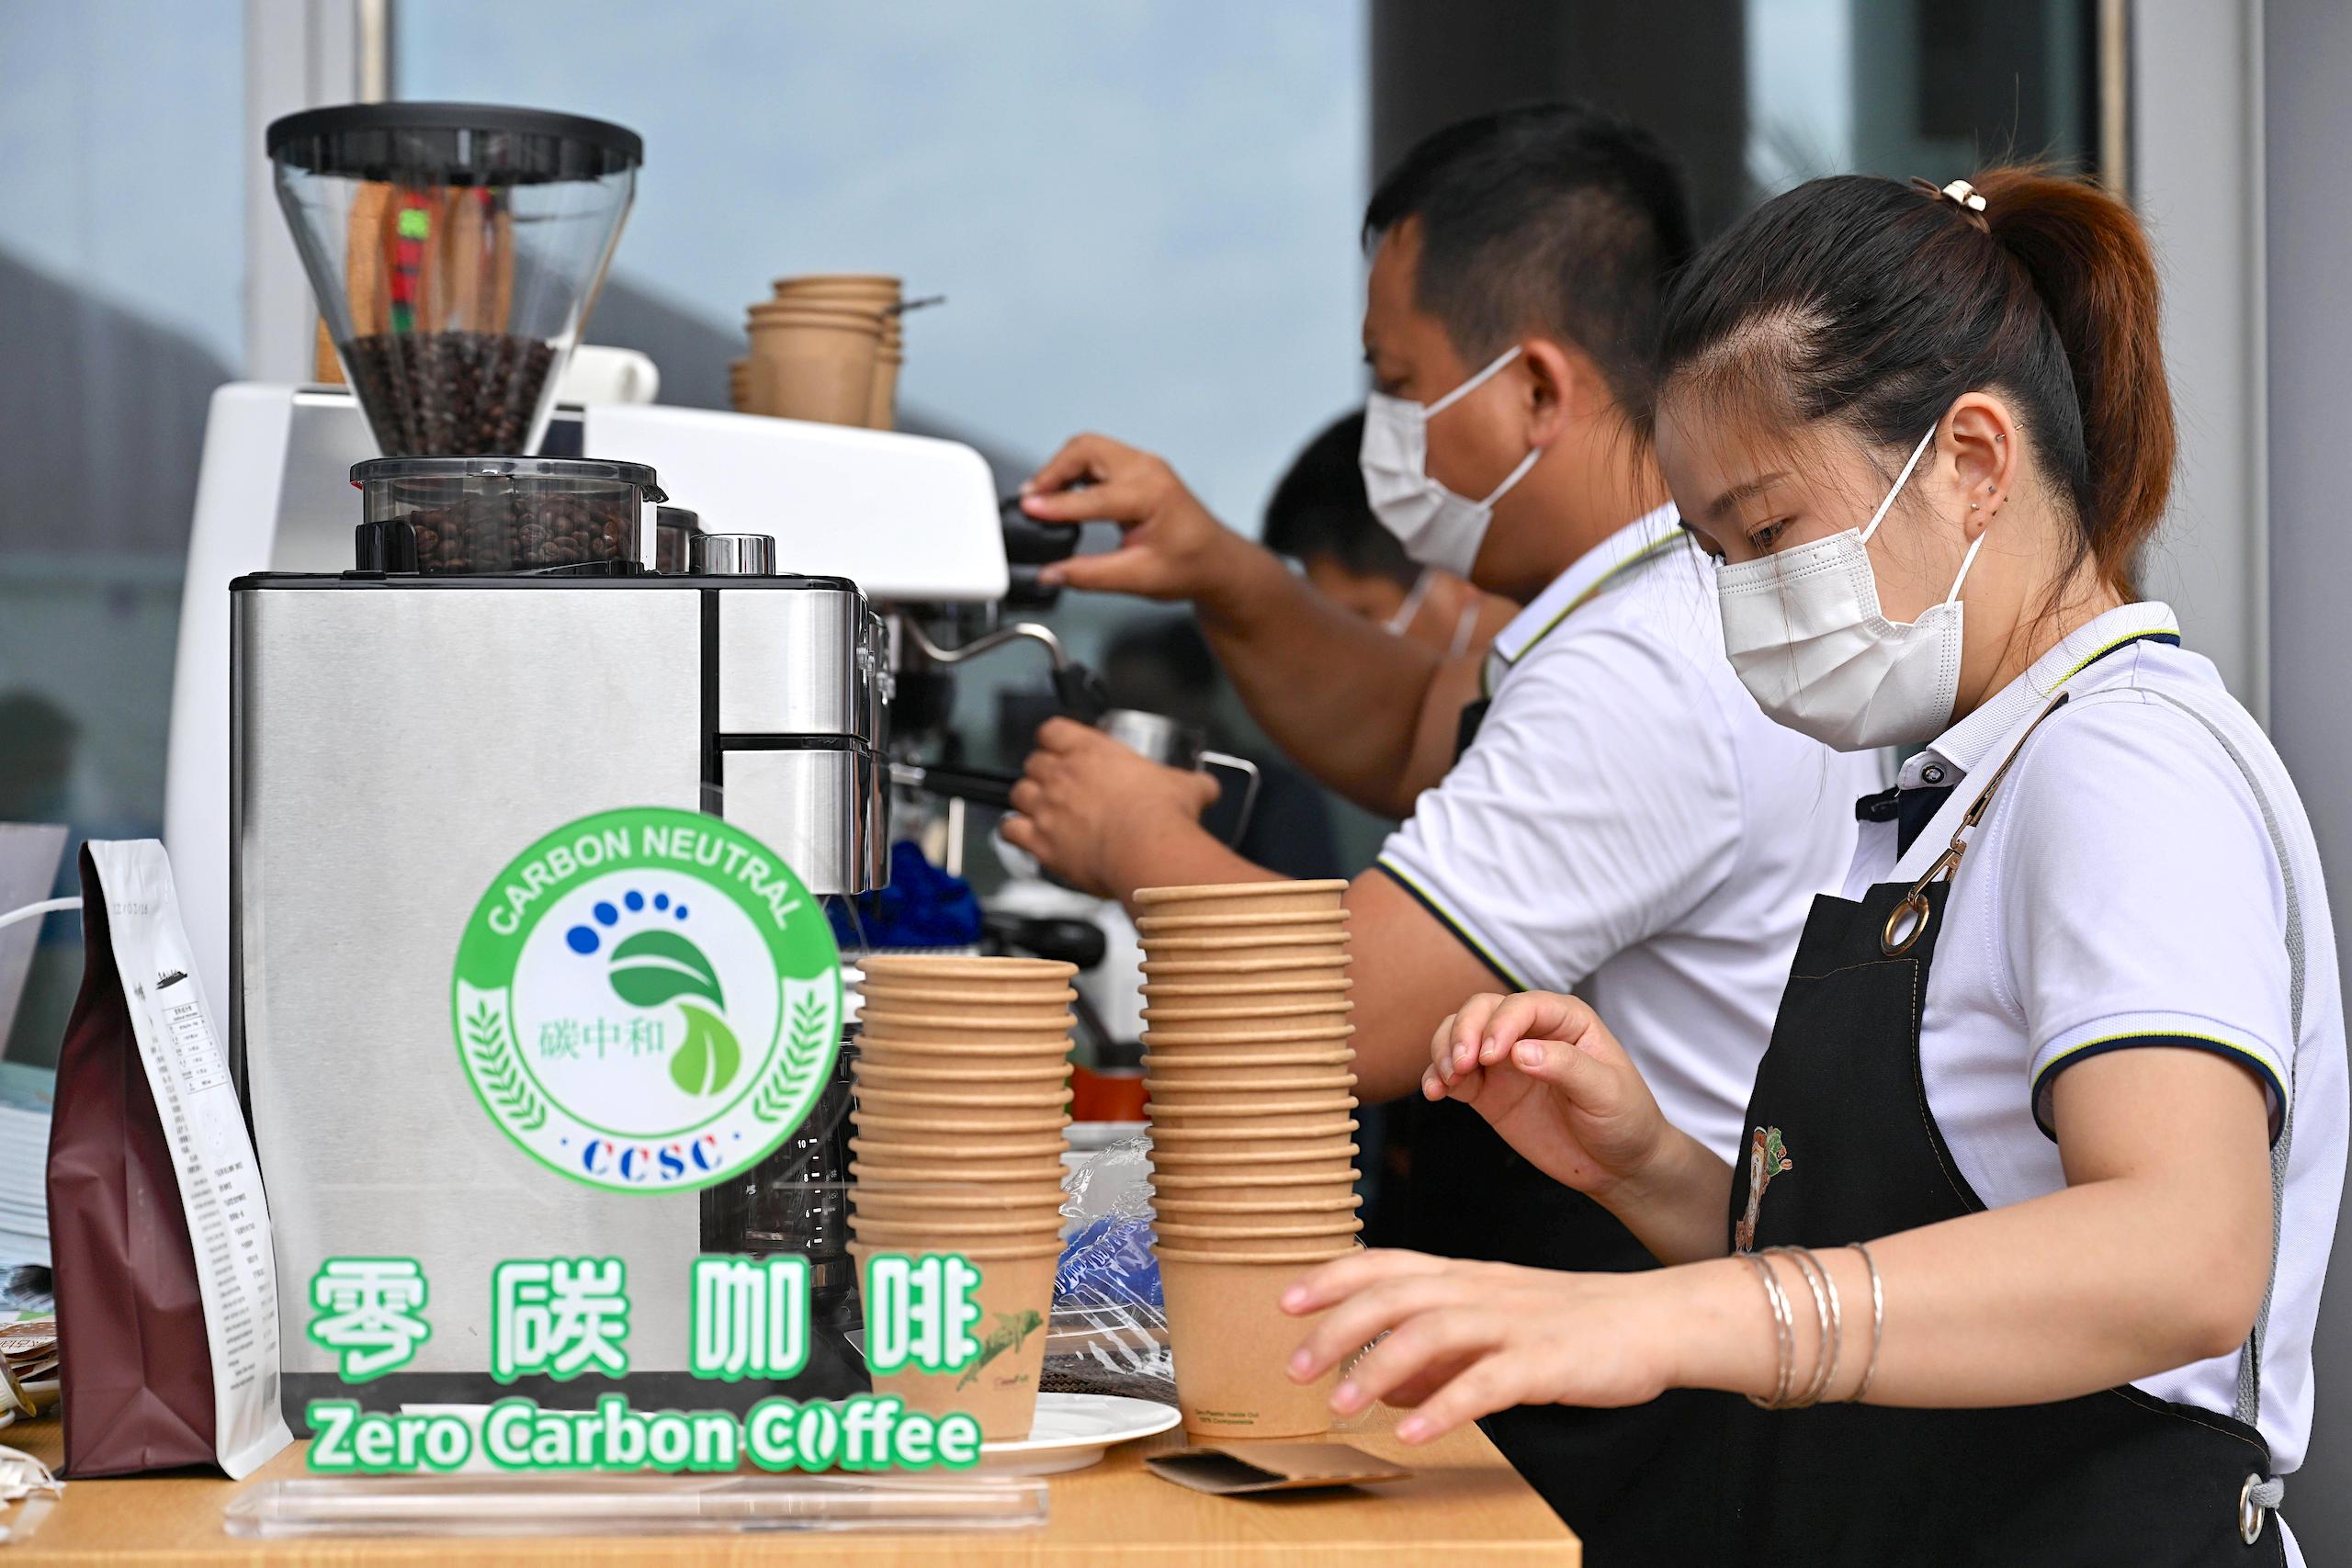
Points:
(1962, 194)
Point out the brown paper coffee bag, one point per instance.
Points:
(167, 1294)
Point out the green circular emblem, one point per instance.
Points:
(647, 1000)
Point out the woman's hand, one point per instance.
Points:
(1548, 1077)
(1467, 1339)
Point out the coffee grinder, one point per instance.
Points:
(498, 657)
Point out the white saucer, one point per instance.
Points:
(1074, 1430)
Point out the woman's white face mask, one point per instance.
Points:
(1436, 526)
(1804, 630)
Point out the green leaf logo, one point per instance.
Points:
(707, 1060)
(654, 966)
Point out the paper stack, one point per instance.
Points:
(25, 1096)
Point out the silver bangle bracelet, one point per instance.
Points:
(1784, 1326)
(1878, 1323)
(1825, 1306)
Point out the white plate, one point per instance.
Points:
(1074, 1430)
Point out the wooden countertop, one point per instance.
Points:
(1463, 1504)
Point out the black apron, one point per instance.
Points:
(1840, 1120)
(1610, 1474)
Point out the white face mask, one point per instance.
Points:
(1466, 625)
(1436, 526)
(1805, 634)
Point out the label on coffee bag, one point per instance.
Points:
(647, 1000)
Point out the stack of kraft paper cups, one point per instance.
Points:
(827, 348)
(962, 1091)
(1248, 1076)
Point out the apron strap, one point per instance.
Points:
(1909, 917)
(2262, 1493)
(2249, 1396)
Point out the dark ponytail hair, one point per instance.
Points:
(1876, 304)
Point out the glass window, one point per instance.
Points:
(1928, 89)
(1144, 218)
(121, 271)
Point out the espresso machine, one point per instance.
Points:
(433, 657)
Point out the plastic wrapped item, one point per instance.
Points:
(1108, 1333)
(628, 1504)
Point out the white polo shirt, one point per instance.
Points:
(1628, 825)
(2123, 890)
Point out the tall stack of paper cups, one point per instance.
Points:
(963, 1089)
(1249, 1077)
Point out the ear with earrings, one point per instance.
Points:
(1997, 438)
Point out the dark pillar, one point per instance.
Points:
(1680, 69)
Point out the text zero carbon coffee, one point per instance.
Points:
(449, 394)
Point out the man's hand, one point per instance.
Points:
(1169, 548)
(1090, 807)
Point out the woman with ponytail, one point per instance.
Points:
(2022, 1264)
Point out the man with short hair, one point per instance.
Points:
(1595, 806)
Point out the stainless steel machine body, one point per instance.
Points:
(395, 743)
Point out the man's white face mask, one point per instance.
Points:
(1436, 526)
(1804, 632)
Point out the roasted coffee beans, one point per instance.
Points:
(457, 394)
(522, 529)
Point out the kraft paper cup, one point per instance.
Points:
(1172, 1206)
(885, 1167)
(1022, 1110)
(882, 397)
(1172, 1086)
(973, 1013)
(1309, 973)
(1331, 1230)
(1237, 989)
(1248, 1037)
(739, 385)
(1025, 1200)
(800, 282)
(939, 1041)
(1328, 941)
(889, 1054)
(1230, 1341)
(1271, 1059)
(1261, 1184)
(1319, 1139)
(1180, 1020)
(952, 1074)
(946, 1232)
(964, 998)
(1149, 926)
(920, 969)
(1016, 1298)
(1318, 1161)
(938, 1138)
(1237, 1114)
(821, 382)
(1241, 897)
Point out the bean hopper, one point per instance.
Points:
(502, 655)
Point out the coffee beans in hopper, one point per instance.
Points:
(453, 393)
(504, 532)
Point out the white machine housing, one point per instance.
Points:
(909, 518)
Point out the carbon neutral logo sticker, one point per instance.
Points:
(647, 1000)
